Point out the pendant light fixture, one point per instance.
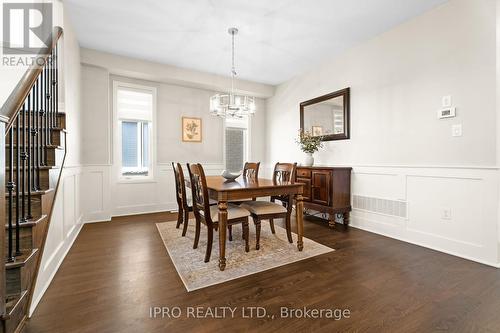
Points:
(232, 105)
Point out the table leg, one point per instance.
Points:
(222, 234)
(299, 214)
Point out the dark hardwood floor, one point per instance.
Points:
(117, 270)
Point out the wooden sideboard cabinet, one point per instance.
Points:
(326, 190)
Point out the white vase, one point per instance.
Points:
(309, 160)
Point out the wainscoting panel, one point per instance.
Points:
(64, 227)
(369, 183)
(104, 197)
(450, 209)
(453, 210)
(445, 207)
(69, 203)
(95, 193)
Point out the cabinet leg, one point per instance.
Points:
(331, 220)
(346, 219)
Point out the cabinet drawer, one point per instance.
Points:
(304, 173)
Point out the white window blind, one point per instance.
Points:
(236, 143)
(134, 104)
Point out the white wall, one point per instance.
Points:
(398, 147)
(104, 195)
(498, 105)
(152, 71)
(66, 221)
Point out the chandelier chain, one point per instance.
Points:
(233, 68)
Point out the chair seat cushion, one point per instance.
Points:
(233, 212)
(263, 207)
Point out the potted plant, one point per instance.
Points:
(309, 144)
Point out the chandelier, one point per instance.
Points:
(232, 105)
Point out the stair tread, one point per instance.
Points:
(21, 260)
(33, 193)
(12, 302)
(31, 222)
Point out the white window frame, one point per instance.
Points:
(150, 177)
(247, 139)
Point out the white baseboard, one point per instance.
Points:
(97, 217)
(356, 225)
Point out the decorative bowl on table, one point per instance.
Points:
(230, 176)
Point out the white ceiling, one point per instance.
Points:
(278, 39)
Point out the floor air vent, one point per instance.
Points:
(381, 206)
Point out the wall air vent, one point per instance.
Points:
(395, 208)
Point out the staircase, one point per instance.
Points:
(34, 150)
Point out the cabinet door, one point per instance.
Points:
(320, 188)
(307, 188)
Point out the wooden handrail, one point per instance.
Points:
(16, 99)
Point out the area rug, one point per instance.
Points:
(274, 251)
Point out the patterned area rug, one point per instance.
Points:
(274, 251)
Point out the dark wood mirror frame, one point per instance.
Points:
(346, 93)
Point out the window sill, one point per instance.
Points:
(136, 180)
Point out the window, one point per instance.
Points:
(135, 147)
(236, 143)
(134, 109)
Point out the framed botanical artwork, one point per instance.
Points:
(191, 129)
(317, 131)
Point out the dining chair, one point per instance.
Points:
(284, 173)
(250, 173)
(251, 170)
(184, 203)
(184, 199)
(209, 215)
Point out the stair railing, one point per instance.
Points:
(28, 118)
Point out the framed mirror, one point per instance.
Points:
(327, 116)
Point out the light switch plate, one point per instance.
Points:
(446, 101)
(456, 130)
(447, 113)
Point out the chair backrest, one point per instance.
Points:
(200, 191)
(178, 195)
(180, 186)
(251, 170)
(284, 172)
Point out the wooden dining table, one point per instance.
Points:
(243, 188)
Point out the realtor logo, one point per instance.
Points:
(27, 28)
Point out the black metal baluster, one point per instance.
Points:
(10, 189)
(56, 65)
(46, 114)
(23, 158)
(27, 129)
(42, 118)
(36, 147)
(38, 134)
(34, 112)
(31, 98)
(18, 177)
(51, 100)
